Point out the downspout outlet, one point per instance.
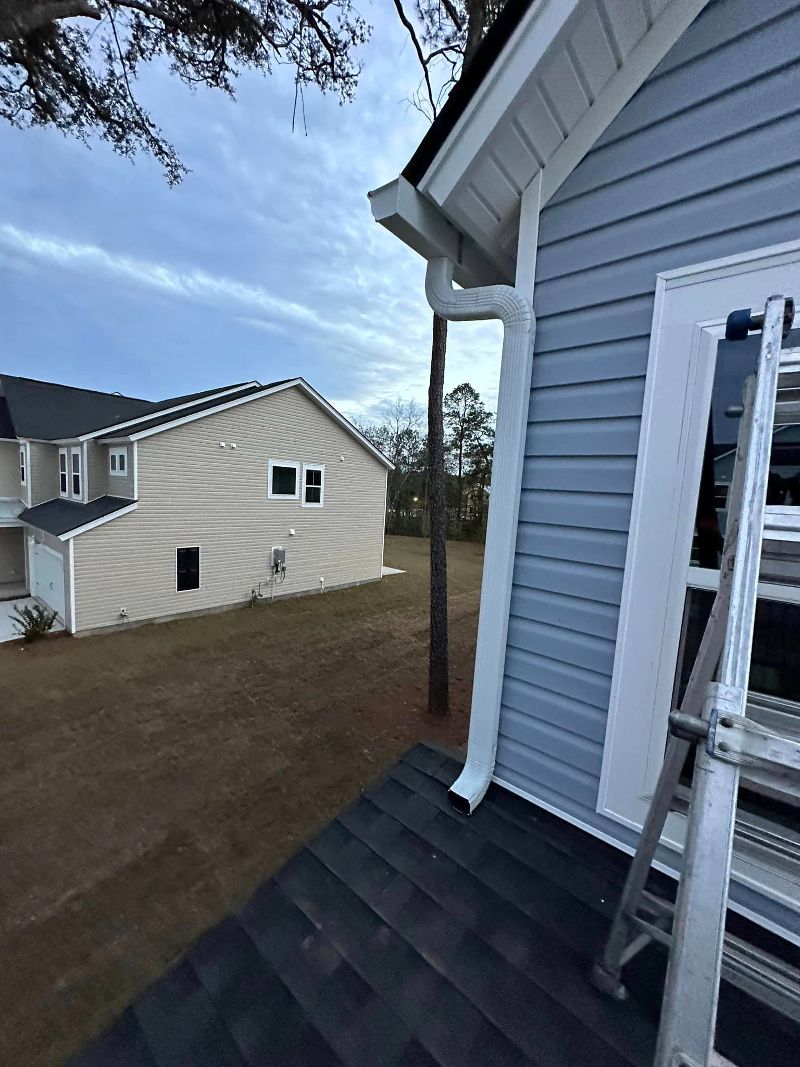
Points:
(515, 311)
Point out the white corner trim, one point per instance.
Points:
(383, 528)
(135, 470)
(513, 403)
(73, 625)
(85, 472)
(165, 411)
(98, 522)
(639, 64)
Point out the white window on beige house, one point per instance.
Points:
(23, 465)
(118, 462)
(284, 479)
(313, 485)
(63, 472)
(76, 474)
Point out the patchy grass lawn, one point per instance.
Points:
(150, 780)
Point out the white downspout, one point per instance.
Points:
(514, 309)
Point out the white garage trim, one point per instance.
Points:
(72, 623)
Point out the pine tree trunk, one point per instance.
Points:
(438, 669)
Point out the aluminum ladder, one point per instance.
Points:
(712, 716)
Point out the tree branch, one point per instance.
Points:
(18, 20)
(418, 49)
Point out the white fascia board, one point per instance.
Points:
(534, 37)
(639, 64)
(98, 522)
(165, 411)
(402, 210)
(293, 383)
(344, 423)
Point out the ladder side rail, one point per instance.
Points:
(606, 974)
(686, 1035)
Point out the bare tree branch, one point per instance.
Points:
(418, 49)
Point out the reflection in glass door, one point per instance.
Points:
(775, 665)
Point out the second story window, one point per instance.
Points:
(118, 462)
(63, 473)
(76, 472)
(23, 465)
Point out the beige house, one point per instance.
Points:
(116, 511)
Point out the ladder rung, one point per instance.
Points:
(756, 972)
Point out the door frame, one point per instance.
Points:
(691, 305)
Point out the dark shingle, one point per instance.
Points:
(408, 934)
(7, 431)
(48, 411)
(60, 516)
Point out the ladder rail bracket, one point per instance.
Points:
(746, 743)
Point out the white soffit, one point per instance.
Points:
(568, 69)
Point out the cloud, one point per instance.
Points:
(264, 263)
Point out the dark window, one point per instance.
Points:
(284, 481)
(313, 486)
(188, 568)
(76, 473)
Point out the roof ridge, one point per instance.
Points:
(76, 388)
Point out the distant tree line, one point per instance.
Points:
(469, 443)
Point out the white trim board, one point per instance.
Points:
(690, 309)
(665, 868)
(165, 411)
(69, 534)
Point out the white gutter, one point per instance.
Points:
(515, 311)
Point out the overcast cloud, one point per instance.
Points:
(265, 263)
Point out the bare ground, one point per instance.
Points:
(150, 780)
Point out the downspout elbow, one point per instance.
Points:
(515, 311)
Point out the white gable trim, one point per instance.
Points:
(97, 522)
(164, 411)
(294, 383)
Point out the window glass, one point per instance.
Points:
(284, 481)
(735, 361)
(113, 461)
(22, 471)
(63, 483)
(116, 461)
(313, 487)
(774, 677)
(76, 473)
(188, 566)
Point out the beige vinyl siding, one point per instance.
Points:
(9, 469)
(43, 473)
(117, 485)
(12, 554)
(97, 470)
(193, 492)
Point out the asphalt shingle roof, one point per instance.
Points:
(48, 411)
(60, 516)
(406, 934)
(215, 401)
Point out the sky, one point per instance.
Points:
(263, 264)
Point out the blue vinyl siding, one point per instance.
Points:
(694, 168)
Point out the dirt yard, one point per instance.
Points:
(150, 780)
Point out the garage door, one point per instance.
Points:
(47, 579)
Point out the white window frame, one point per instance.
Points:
(199, 568)
(24, 463)
(73, 452)
(64, 493)
(313, 467)
(691, 306)
(116, 453)
(298, 474)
